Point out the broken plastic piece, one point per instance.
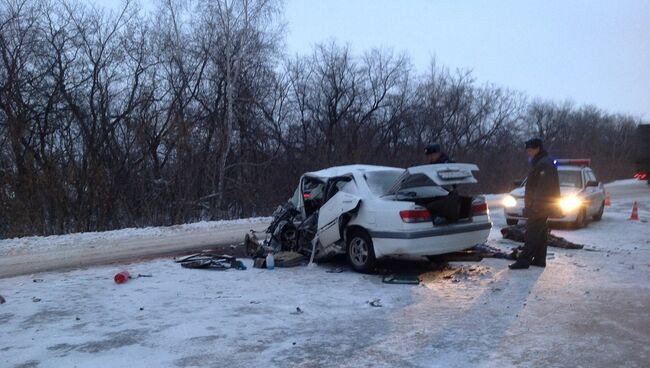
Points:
(121, 277)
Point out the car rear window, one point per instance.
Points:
(380, 182)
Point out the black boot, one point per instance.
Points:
(518, 266)
(539, 263)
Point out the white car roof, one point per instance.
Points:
(350, 169)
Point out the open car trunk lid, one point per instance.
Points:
(440, 174)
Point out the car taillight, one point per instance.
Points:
(480, 209)
(412, 216)
(306, 195)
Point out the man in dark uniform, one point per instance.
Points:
(435, 155)
(541, 202)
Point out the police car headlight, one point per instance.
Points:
(509, 201)
(569, 204)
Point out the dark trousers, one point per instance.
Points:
(536, 241)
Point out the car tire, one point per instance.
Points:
(599, 215)
(360, 251)
(581, 220)
(512, 222)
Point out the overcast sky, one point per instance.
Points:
(588, 51)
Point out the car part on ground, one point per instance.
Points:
(518, 234)
(207, 260)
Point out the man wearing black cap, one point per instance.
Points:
(435, 155)
(541, 202)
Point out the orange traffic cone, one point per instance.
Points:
(635, 213)
(608, 199)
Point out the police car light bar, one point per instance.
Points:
(573, 162)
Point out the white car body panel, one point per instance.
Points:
(380, 217)
(328, 226)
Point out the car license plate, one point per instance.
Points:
(454, 174)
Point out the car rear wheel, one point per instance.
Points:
(581, 220)
(512, 222)
(599, 215)
(360, 252)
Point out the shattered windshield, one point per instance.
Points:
(380, 182)
(571, 179)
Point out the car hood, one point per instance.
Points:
(440, 174)
(564, 191)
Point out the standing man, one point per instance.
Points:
(435, 155)
(542, 200)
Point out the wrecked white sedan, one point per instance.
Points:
(369, 212)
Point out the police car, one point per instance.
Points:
(583, 197)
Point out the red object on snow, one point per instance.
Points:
(122, 277)
(635, 212)
(608, 199)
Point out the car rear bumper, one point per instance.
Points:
(438, 240)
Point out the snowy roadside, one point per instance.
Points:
(35, 244)
(81, 250)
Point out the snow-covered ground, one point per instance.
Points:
(586, 309)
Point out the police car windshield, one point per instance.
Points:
(571, 179)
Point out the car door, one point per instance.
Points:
(595, 195)
(332, 211)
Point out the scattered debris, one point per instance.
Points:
(401, 279)
(208, 260)
(456, 274)
(518, 233)
(121, 277)
(465, 256)
(297, 311)
(2, 300)
(141, 308)
(36, 300)
(335, 270)
(491, 252)
(259, 263)
(375, 303)
(37, 280)
(124, 276)
(288, 259)
(77, 319)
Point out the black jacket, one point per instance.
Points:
(542, 189)
(443, 159)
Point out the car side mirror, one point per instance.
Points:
(593, 183)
